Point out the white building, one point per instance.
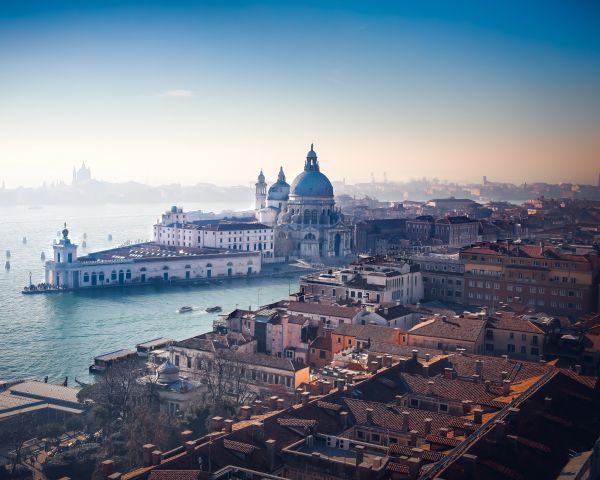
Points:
(174, 230)
(144, 263)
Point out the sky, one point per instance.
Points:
(188, 92)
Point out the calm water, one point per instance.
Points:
(59, 334)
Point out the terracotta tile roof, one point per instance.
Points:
(241, 447)
(447, 441)
(514, 324)
(329, 406)
(365, 332)
(406, 450)
(323, 309)
(462, 329)
(398, 468)
(322, 343)
(174, 475)
(296, 422)
(493, 367)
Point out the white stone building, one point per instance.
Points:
(144, 263)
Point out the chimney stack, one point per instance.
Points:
(271, 449)
(578, 369)
(258, 430)
(427, 423)
(273, 402)
(548, 403)
(228, 425)
(466, 406)
(147, 456)
(246, 412)
(186, 436)
(344, 419)
(443, 432)
(216, 424)
(505, 387)
(470, 465)
(448, 373)
(413, 438)
(478, 416)
(405, 421)
(487, 385)
(479, 367)
(369, 412)
(297, 395)
(504, 375)
(500, 430)
(427, 357)
(398, 399)
(415, 355)
(280, 403)
(108, 467)
(414, 467)
(258, 404)
(305, 396)
(360, 453)
(156, 457)
(430, 384)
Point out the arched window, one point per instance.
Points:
(143, 269)
(128, 274)
(165, 268)
(113, 275)
(208, 265)
(101, 277)
(309, 236)
(314, 216)
(86, 277)
(306, 216)
(229, 264)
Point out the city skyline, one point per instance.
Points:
(201, 92)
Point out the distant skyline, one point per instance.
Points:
(187, 92)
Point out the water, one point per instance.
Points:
(59, 334)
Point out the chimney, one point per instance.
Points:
(297, 395)
(448, 373)
(360, 453)
(548, 403)
(443, 432)
(115, 476)
(305, 397)
(186, 436)
(505, 387)
(280, 403)
(427, 357)
(189, 446)
(147, 456)
(405, 421)
(504, 375)
(578, 369)
(273, 402)
(258, 430)
(326, 387)
(415, 355)
(108, 467)
(475, 378)
(478, 416)
(258, 407)
(373, 366)
(427, 423)
(487, 385)
(416, 452)
(271, 449)
(387, 358)
(369, 412)
(228, 425)
(216, 424)
(413, 438)
(466, 406)
(156, 457)
(246, 412)
(470, 465)
(414, 467)
(398, 399)
(479, 367)
(379, 360)
(430, 384)
(344, 419)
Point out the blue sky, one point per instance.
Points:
(213, 91)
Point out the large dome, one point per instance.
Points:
(312, 183)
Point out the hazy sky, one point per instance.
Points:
(175, 91)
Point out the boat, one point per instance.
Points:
(214, 309)
(83, 244)
(185, 309)
(7, 265)
(43, 256)
(110, 237)
(8, 254)
(85, 235)
(24, 240)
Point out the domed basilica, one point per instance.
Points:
(304, 216)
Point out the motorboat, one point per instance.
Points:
(214, 309)
(185, 309)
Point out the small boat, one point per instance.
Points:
(110, 237)
(83, 244)
(24, 240)
(214, 309)
(85, 235)
(43, 256)
(185, 309)
(7, 265)
(8, 254)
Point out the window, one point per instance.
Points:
(489, 347)
(176, 360)
(189, 362)
(360, 434)
(534, 340)
(321, 353)
(414, 402)
(511, 335)
(443, 407)
(510, 348)
(375, 438)
(535, 351)
(524, 350)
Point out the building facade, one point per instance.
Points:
(443, 276)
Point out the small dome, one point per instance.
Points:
(311, 153)
(167, 372)
(261, 177)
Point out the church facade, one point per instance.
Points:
(306, 221)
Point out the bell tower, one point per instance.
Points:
(261, 192)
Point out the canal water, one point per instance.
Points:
(59, 334)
